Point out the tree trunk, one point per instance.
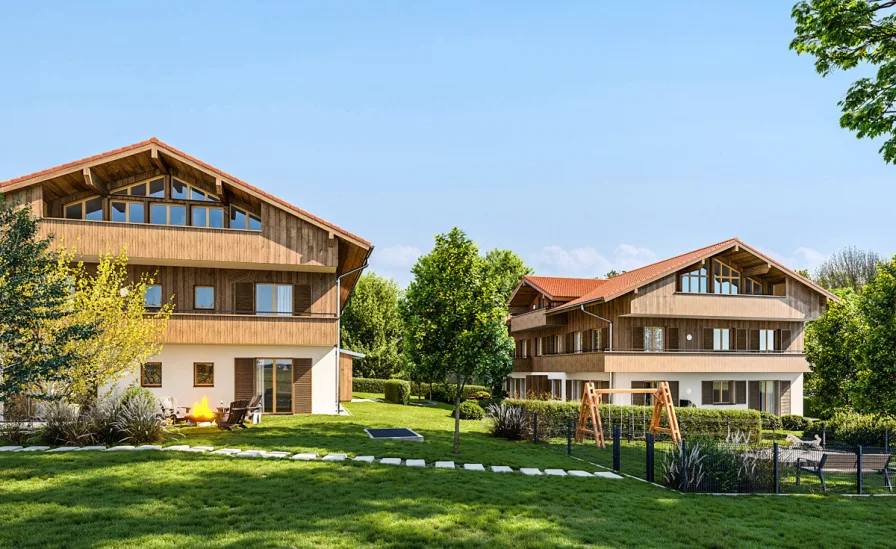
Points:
(457, 421)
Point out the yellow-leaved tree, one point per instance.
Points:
(128, 334)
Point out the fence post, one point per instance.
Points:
(535, 427)
(650, 456)
(887, 441)
(617, 433)
(684, 466)
(777, 471)
(824, 435)
(859, 470)
(568, 436)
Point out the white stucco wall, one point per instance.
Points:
(177, 372)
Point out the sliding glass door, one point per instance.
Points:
(273, 377)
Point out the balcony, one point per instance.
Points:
(534, 320)
(705, 361)
(571, 362)
(243, 329)
(717, 306)
(191, 246)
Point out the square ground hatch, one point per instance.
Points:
(394, 434)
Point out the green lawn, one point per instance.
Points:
(155, 499)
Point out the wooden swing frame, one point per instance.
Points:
(590, 409)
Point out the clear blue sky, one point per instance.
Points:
(583, 136)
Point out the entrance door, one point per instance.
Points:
(274, 381)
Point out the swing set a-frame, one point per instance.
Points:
(591, 401)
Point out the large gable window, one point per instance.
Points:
(203, 216)
(126, 212)
(725, 280)
(153, 189)
(241, 219)
(752, 287)
(694, 281)
(90, 209)
(182, 191)
(167, 214)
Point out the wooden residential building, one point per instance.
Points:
(257, 283)
(724, 325)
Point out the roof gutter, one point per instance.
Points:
(339, 325)
(610, 322)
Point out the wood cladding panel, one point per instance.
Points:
(576, 362)
(634, 361)
(244, 378)
(345, 377)
(301, 385)
(250, 330)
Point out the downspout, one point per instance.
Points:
(610, 322)
(339, 327)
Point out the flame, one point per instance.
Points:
(201, 411)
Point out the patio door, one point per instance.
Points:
(273, 378)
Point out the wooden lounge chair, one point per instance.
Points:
(234, 415)
(253, 406)
(796, 443)
(845, 463)
(170, 409)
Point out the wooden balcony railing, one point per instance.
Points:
(241, 329)
(533, 320)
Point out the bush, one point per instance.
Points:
(507, 421)
(66, 424)
(470, 409)
(441, 392)
(365, 385)
(138, 420)
(397, 391)
(852, 428)
(710, 422)
(770, 422)
(729, 466)
(794, 423)
(477, 395)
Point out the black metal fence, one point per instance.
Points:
(726, 461)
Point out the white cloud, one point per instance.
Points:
(800, 258)
(588, 262)
(396, 256)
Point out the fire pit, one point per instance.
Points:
(201, 415)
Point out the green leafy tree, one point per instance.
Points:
(848, 268)
(844, 34)
(612, 273)
(875, 384)
(832, 349)
(454, 317)
(507, 268)
(371, 325)
(804, 273)
(38, 325)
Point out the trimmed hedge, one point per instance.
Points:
(470, 409)
(853, 429)
(367, 385)
(705, 422)
(397, 391)
(794, 423)
(441, 392)
(771, 422)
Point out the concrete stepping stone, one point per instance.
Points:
(91, 448)
(249, 454)
(62, 449)
(415, 462)
(607, 474)
(530, 471)
(578, 473)
(335, 457)
(199, 449)
(501, 469)
(276, 455)
(33, 449)
(444, 465)
(227, 451)
(10, 448)
(120, 449)
(304, 457)
(365, 459)
(474, 467)
(176, 448)
(391, 461)
(149, 447)
(555, 472)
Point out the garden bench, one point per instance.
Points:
(842, 462)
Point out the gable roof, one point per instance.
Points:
(632, 280)
(559, 286)
(37, 177)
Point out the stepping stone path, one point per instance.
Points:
(310, 456)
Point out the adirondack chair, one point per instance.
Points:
(796, 442)
(845, 463)
(170, 409)
(234, 415)
(253, 406)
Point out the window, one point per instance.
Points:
(273, 299)
(555, 345)
(722, 392)
(204, 297)
(241, 219)
(207, 217)
(694, 281)
(768, 396)
(151, 374)
(524, 348)
(578, 342)
(182, 191)
(725, 280)
(167, 214)
(752, 287)
(127, 212)
(203, 374)
(649, 397)
(653, 339)
(721, 339)
(152, 189)
(90, 209)
(595, 340)
(556, 389)
(153, 297)
(538, 346)
(766, 340)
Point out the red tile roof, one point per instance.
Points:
(631, 280)
(559, 286)
(176, 152)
